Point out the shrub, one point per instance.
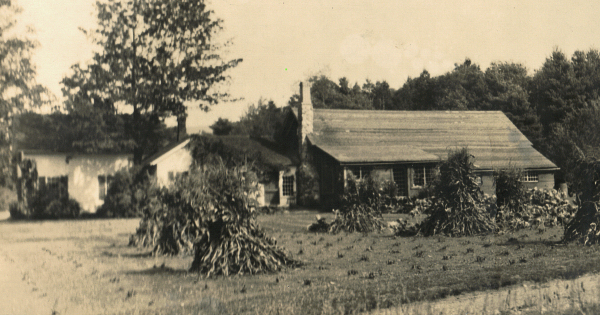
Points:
(510, 190)
(62, 208)
(539, 208)
(360, 208)
(127, 194)
(459, 205)
(19, 211)
(585, 226)
(7, 197)
(41, 202)
(209, 211)
(118, 202)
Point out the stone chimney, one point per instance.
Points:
(305, 113)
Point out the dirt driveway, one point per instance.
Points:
(18, 295)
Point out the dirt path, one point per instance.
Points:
(18, 295)
(554, 295)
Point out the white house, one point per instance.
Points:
(86, 176)
(176, 159)
(170, 162)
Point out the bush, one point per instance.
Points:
(41, 202)
(63, 208)
(539, 208)
(360, 208)
(128, 194)
(510, 190)
(209, 212)
(19, 211)
(7, 197)
(118, 202)
(459, 207)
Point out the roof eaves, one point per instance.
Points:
(161, 155)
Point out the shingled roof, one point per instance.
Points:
(368, 136)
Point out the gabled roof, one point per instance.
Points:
(269, 153)
(165, 152)
(372, 136)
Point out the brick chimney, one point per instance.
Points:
(305, 113)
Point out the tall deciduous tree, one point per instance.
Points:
(18, 88)
(508, 85)
(155, 56)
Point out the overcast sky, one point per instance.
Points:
(285, 41)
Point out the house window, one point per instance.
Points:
(54, 186)
(288, 185)
(175, 175)
(529, 177)
(104, 182)
(360, 172)
(400, 178)
(423, 175)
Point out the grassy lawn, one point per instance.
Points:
(87, 267)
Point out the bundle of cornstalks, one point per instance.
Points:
(585, 227)
(360, 209)
(209, 212)
(459, 207)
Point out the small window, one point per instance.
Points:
(104, 182)
(171, 176)
(102, 189)
(529, 177)
(400, 178)
(55, 186)
(288, 185)
(423, 175)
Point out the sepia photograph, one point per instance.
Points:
(299, 157)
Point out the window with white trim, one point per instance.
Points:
(423, 175)
(529, 177)
(288, 185)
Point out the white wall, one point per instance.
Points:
(177, 161)
(82, 171)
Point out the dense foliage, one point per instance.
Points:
(129, 192)
(360, 207)
(459, 208)
(35, 202)
(209, 212)
(538, 208)
(261, 120)
(236, 151)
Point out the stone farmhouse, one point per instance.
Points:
(404, 147)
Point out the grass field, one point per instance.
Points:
(86, 267)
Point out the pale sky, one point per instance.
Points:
(285, 41)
